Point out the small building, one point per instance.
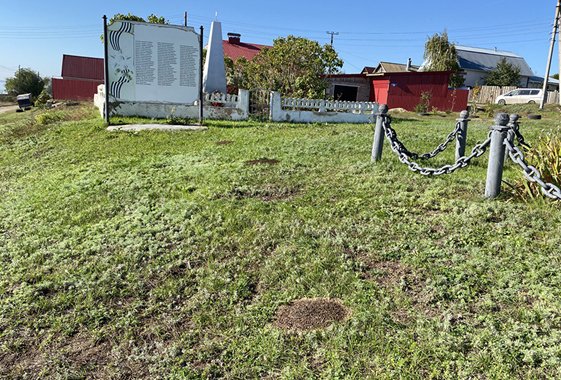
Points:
(348, 87)
(80, 78)
(476, 63)
(537, 82)
(404, 90)
(357, 87)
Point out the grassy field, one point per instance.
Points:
(177, 255)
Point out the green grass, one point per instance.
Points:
(163, 255)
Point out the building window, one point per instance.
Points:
(348, 93)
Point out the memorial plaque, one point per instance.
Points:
(153, 62)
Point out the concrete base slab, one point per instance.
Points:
(158, 127)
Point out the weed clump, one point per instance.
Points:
(545, 156)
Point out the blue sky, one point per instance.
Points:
(36, 34)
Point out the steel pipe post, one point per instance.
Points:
(379, 134)
(496, 155)
(462, 134)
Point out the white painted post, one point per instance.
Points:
(243, 102)
(276, 106)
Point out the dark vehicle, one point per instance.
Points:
(24, 101)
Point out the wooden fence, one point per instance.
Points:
(488, 94)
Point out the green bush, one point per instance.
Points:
(50, 117)
(43, 97)
(424, 103)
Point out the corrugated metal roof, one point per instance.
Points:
(368, 70)
(241, 49)
(389, 67)
(486, 60)
(74, 66)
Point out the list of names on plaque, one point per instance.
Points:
(188, 66)
(167, 59)
(144, 52)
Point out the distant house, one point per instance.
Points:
(348, 87)
(404, 90)
(235, 48)
(357, 87)
(80, 78)
(476, 63)
(537, 82)
(389, 67)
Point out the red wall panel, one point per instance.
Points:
(76, 67)
(405, 91)
(71, 89)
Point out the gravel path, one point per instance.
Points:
(8, 108)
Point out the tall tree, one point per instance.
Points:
(440, 55)
(25, 81)
(152, 19)
(294, 66)
(504, 74)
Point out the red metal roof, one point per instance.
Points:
(242, 49)
(86, 68)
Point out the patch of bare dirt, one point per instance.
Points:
(261, 161)
(268, 193)
(310, 314)
(223, 142)
(410, 282)
(77, 355)
(8, 108)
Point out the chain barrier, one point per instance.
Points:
(516, 128)
(415, 156)
(461, 162)
(530, 172)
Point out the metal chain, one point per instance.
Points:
(530, 172)
(461, 162)
(415, 156)
(516, 128)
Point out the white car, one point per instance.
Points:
(520, 95)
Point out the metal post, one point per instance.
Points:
(553, 34)
(512, 124)
(379, 134)
(462, 134)
(106, 68)
(496, 155)
(201, 98)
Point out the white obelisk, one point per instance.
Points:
(214, 74)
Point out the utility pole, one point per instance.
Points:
(553, 34)
(185, 19)
(336, 34)
(19, 78)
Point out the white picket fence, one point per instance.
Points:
(319, 110)
(218, 97)
(334, 105)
